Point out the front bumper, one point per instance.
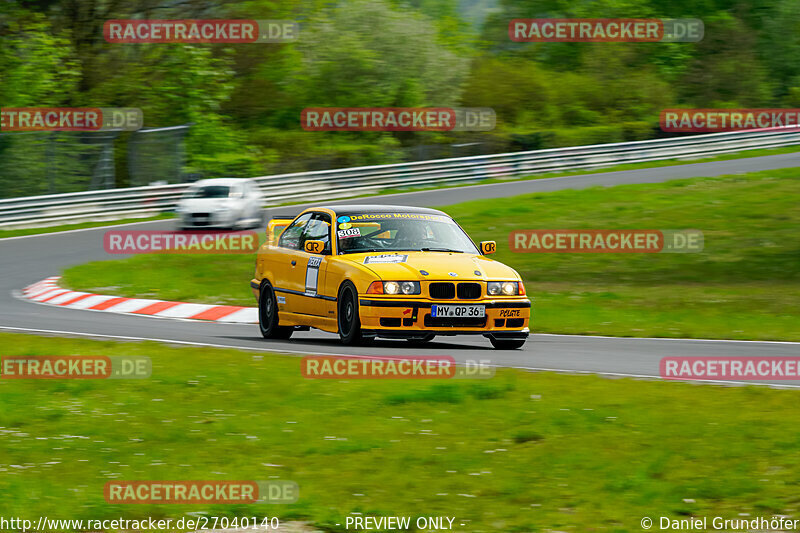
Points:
(506, 318)
(213, 219)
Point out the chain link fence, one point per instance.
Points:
(35, 163)
(39, 163)
(157, 156)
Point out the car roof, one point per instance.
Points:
(378, 208)
(218, 181)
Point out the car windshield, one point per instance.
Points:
(396, 232)
(209, 191)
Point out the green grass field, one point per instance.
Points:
(744, 285)
(518, 452)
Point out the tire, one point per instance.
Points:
(422, 340)
(268, 315)
(507, 344)
(347, 316)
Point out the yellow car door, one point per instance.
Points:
(288, 265)
(315, 301)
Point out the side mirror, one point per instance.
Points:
(314, 247)
(488, 247)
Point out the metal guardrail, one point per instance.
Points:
(348, 182)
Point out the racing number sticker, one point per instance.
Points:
(312, 274)
(346, 233)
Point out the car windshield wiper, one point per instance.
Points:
(362, 250)
(441, 250)
(370, 250)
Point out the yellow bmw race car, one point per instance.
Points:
(366, 271)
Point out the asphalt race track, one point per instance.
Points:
(26, 260)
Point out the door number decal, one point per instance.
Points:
(312, 275)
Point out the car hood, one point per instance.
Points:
(401, 266)
(205, 204)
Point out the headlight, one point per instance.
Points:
(506, 288)
(391, 287)
(409, 287)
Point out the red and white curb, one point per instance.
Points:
(48, 292)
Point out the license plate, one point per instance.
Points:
(458, 311)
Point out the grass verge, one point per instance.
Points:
(519, 452)
(744, 285)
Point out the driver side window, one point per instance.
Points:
(290, 238)
(318, 229)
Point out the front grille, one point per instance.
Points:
(454, 322)
(442, 291)
(469, 291)
(201, 219)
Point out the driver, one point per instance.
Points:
(411, 235)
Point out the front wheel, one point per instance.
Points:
(347, 316)
(268, 315)
(507, 344)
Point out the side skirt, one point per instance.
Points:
(328, 324)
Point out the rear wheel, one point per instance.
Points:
(268, 315)
(507, 344)
(347, 316)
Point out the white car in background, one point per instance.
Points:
(221, 203)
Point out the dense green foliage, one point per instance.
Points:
(245, 100)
